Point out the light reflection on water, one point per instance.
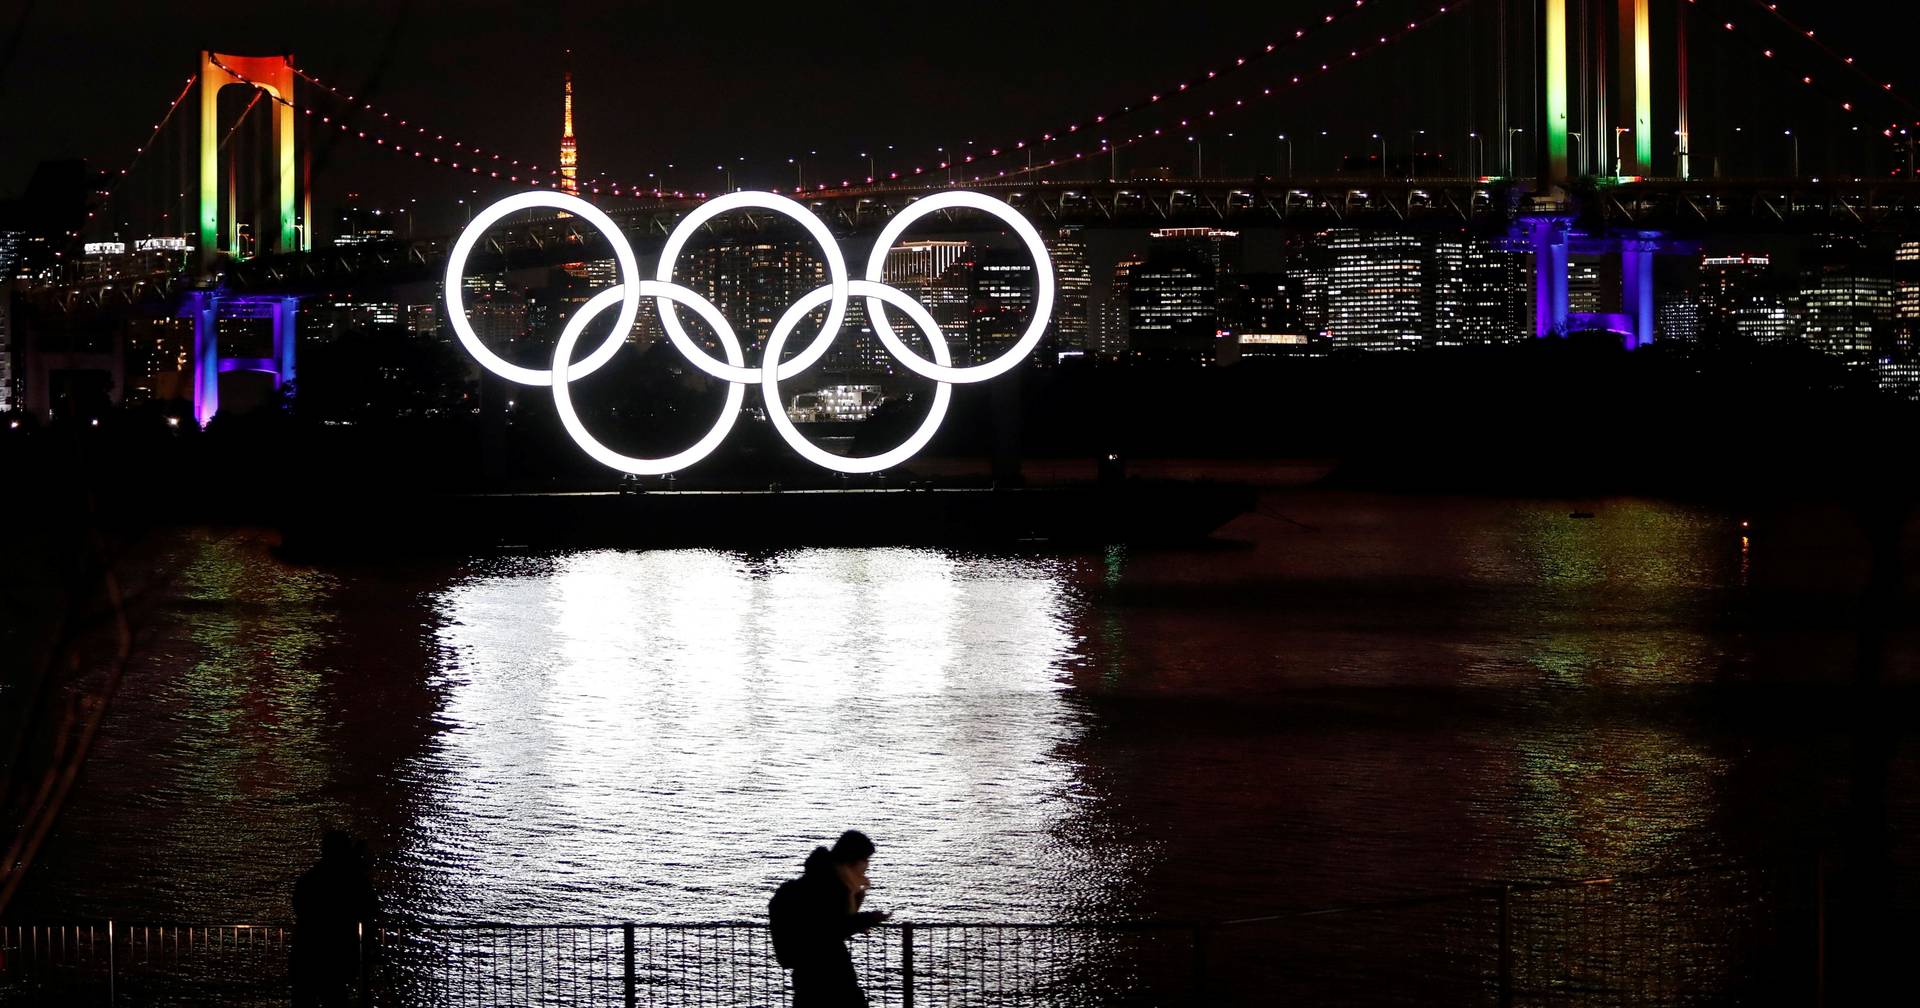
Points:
(1373, 697)
(665, 734)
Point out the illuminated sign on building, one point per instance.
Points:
(104, 248)
(833, 296)
(160, 245)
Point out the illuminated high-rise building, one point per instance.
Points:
(1906, 297)
(1587, 284)
(1003, 288)
(1846, 299)
(1479, 293)
(1110, 335)
(1677, 319)
(1072, 290)
(914, 263)
(1375, 285)
(938, 274)
(6, 341)
(1738, 306)
(569, 156)
(1173, 311)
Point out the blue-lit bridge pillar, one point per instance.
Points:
(1636, 288)
(207, 308)
(1548, 238)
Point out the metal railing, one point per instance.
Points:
(1655, 940)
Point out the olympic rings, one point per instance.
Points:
(632, 289)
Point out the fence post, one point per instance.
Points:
(626, 930)
(906, 966)
(110, 964)
(1202, 936)
(1820, 932)
(1506, 947)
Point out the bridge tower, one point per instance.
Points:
(1621, 136)
(274, 75)
(280, 228)
(1618, 142)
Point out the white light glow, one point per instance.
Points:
(457, 267)
(770, 383)
(563, 401)
(836, 283)
(1042, 297)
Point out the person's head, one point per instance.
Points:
(336, 844)
(852, 851)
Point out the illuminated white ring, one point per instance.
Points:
(563, 400)
(836, 284)
(457, 265)
(1042, 298)
(777, 414)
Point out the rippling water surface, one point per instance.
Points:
(1356, 697)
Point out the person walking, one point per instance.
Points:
(813, 916)
(332, 902)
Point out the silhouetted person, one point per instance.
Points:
(331, 903)
(814, 915)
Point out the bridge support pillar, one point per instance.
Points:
(206, 308)
(1548, 236)
(1636, 289)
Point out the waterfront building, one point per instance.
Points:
(8, 395)
(1171, 306)
(1737, 300)
(1587, 286)
(1374, 290)
(938, 274)
(1846, 301)
(1111, 336)
(1906, 296)
(1002, 304)
(1073, 290)
(1677, 319)
(1259, 318)
(1479, 293)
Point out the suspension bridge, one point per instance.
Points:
(1581, 138)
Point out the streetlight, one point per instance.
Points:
(870, 171)
(1574, 159)
(1680, 152)
(1314, 154)
(1617, 159)
(1413, 152)
(727, 173)
(1113, 160)
(1199, 158)
(1283, 139)
(1383, 154)
(1473, 170)
(1511, 130)
(1796, 152)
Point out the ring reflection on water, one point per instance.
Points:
(660, 734)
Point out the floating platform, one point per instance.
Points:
(1074, 515)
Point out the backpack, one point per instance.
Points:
(785, 921)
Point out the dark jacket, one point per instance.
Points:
(813, 916)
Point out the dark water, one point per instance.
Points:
(1355, 697)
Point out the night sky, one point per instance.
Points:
(698, 83)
